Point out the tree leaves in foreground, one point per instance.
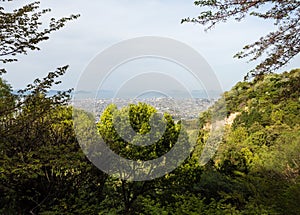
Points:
(22, 29)
(276, 48)
(42, 167)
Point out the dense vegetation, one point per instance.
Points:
(255, 171)
(44, 171)
(258, 162)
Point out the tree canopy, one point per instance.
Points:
(43, 170)
(277, 48)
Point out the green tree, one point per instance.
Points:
(42, 167)
(22, 30)
(127, 142)
(117, 133)
(275, 48)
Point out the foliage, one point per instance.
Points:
(41, 162)
(44, 171)
(275, 48)
(21, 30)
(112, 127)
(256, 170)
(262, 145)
(42, 168)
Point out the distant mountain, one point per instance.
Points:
(107, 94)
(50, 92)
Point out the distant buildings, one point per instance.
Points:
(179, 108)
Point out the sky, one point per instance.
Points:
(104, 23)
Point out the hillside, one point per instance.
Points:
(260, 150)
(256, 169)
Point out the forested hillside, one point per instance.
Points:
(258, 162)
(255, 170)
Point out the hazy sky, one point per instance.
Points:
(106, 22)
